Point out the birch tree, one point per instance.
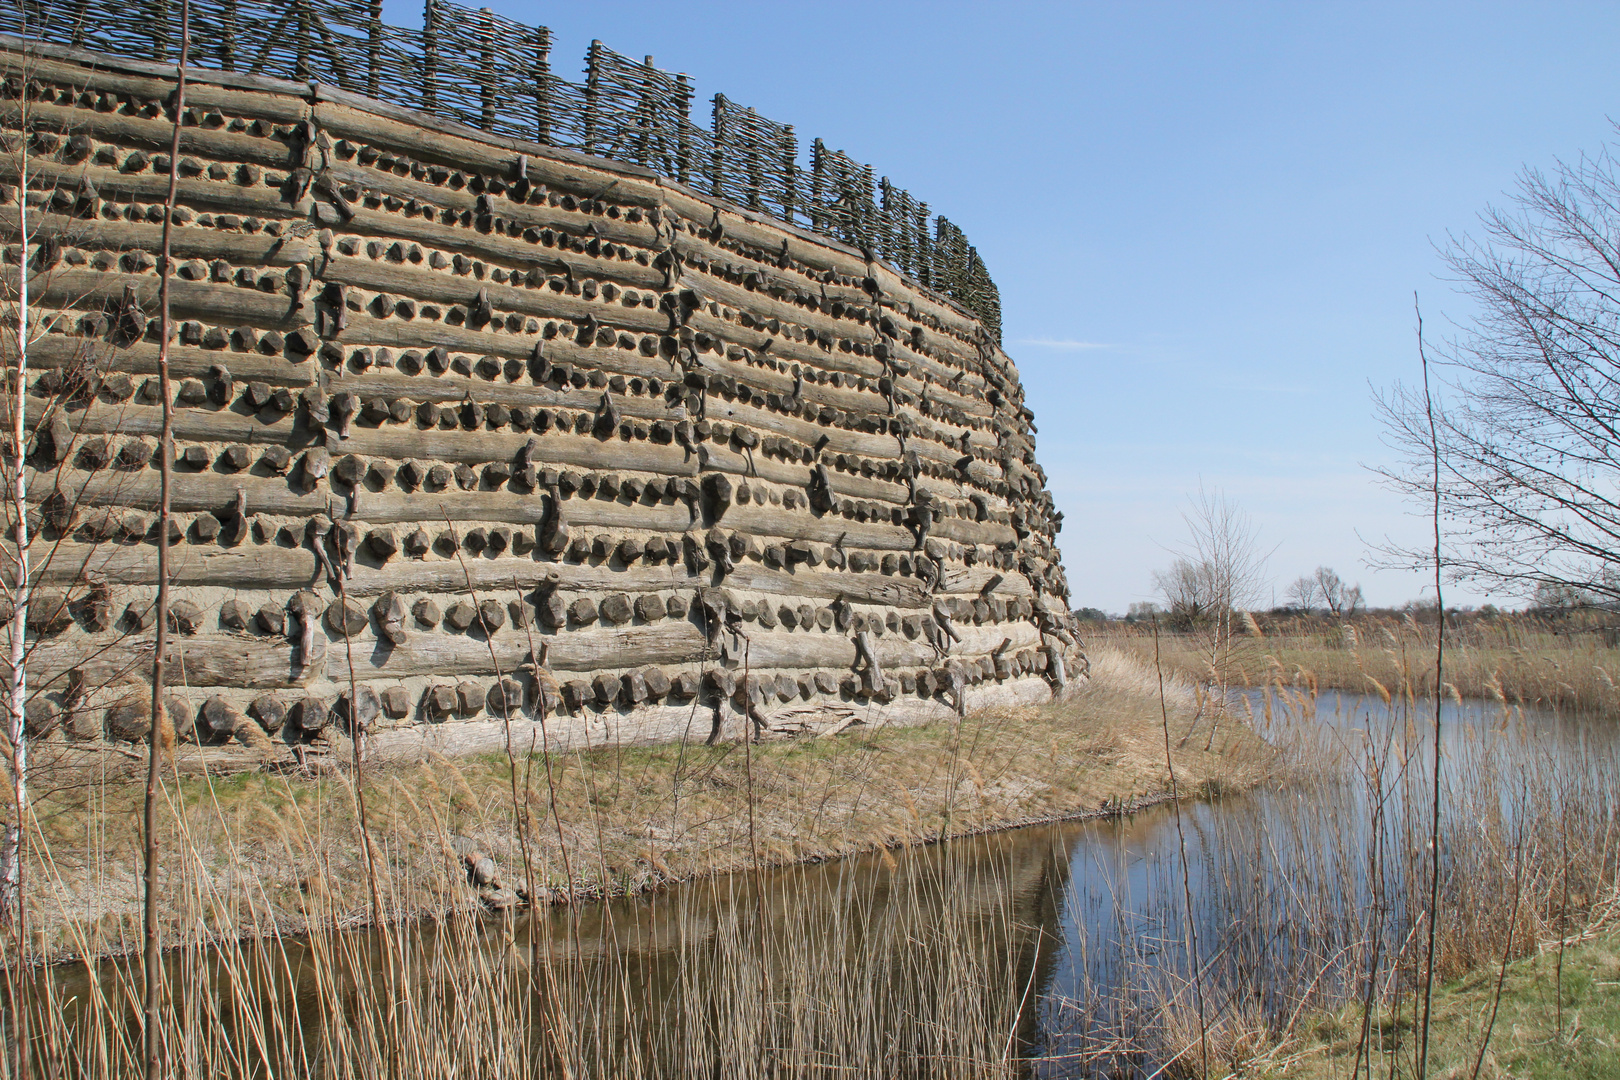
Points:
(1528, 428)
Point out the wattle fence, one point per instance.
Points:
(490, 72)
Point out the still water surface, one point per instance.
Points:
(1068, 947)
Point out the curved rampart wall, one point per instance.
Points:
(499, 427)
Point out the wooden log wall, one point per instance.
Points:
(501, 429)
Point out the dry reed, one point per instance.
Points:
(912, 964)
(1569, 662)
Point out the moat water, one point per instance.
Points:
(1069, 948)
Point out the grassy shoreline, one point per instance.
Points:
(1547, 1023)
(258, 852)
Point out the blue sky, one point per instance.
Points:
(1206, 221)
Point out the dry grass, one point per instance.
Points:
(920, 962)
(626, 819)
(1566, 663)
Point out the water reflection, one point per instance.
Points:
(1048, 951)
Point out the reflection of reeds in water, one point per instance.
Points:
(1312, 895)
(917, 963)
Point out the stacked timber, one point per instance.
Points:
(473, 434)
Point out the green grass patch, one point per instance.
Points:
(1549, 1024)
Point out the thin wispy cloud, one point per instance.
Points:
(1062, 344)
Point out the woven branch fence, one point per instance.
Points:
(481, 69)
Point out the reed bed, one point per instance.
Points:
(917, 965)
(1094, 948)
(614, 821)
(286, 957)
(1568, 661)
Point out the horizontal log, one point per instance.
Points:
(191, 492)
(231, 305)
(255, 250)
(764, 305)
(654, 724)
(265, 566)
(812, 584)
(972, 581)
(275, 568)
(155, 134)
(206, 660)
(443, 288)
(613, 230)
(773, 521)
(389, 384)
(215, 196)
(61, 350)
(196, 492)
(496, 248)
(476, 447)
(505, 576)
(235, 94)
(431, 140)
(672, 643)
(191, 424)
(648, 725)
(821, 253)
(454, 656)
(272, 662)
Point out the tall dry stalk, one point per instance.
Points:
(160, 738)
(1507, 953)
(1194, 967)
(357, 743)
(1439, 700)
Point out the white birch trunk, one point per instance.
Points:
(17, 697)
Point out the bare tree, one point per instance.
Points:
(59, 344)
(1337, 595)
(1529, 438)
(37, 513)
(1330, 587)
(1217, 575)
(1189, 591)
(20, 585)
(1219, 570)
(1302, 593)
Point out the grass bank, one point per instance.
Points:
(256, 851)
(1567, 662)
(1556, 1016)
